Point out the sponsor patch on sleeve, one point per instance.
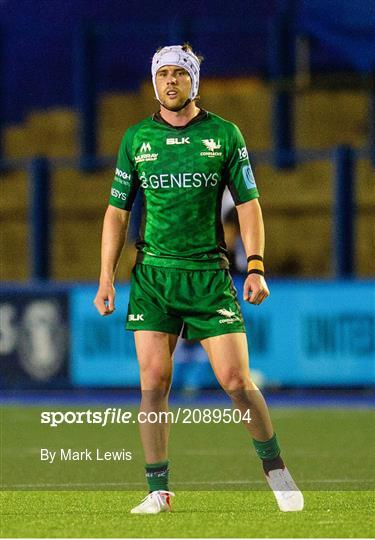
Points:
(122, 177)
(118, 194)
(248, 177)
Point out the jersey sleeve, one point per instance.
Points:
(240, 178)
(125, 183)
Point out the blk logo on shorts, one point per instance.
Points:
(135, 318)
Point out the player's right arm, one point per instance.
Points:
(115, 227)
(124, 188)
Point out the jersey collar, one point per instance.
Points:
(198, 118)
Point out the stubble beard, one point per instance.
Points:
(175, 107)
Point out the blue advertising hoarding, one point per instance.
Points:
(318, 334)
(34, 338)
(305, 334)
(103, 354)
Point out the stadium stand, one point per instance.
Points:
(297, 203)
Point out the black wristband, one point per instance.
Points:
(256, 271)
(254, 258)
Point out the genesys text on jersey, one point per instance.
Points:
(114, 415)
(118, 194)
(180, 180)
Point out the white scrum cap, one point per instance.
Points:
(174, 55)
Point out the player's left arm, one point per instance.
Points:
(250, 218)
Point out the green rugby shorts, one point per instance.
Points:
(195, 304)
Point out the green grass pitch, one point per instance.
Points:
(220, 491)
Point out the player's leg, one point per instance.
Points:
(156, 331)
(228, 354)
(155, 356)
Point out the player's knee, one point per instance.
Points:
(157, 380)
(234, 380)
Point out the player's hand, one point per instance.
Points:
(105, 299)
(255, 289)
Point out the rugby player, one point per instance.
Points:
(182, 158)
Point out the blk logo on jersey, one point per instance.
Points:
(136, 318)
(175, 140)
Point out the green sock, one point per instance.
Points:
(157, 475)
(268, 449)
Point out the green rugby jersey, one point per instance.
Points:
(182, 172)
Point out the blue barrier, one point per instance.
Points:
(34, 338)
(305, 334)
(103, 354)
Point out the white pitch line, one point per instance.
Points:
(192, 482)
